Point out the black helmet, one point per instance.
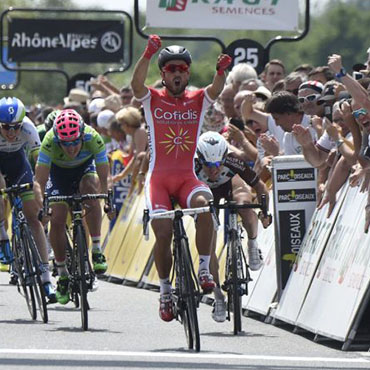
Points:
(173, 52)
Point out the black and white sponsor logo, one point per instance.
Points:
(297, 195)
(299, 174)
(111, 42)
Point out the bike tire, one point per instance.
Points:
(191, 324)
(26, 274)
(37, 286)
(235, 291)
(81, 262)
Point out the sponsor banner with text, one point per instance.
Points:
(223, 14)
(66, 40)
(294, 184)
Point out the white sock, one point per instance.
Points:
(3, 233)
(204, 262)
(165, 286)
(45, 273)
(96, 244)
(252, 243)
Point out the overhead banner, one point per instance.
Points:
(65, 40)
(266, 15)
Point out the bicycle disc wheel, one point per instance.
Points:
(190, 318)
(37, 285)
(25, 276)
(81, 261)
(235, 291)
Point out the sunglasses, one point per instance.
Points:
(70, 143)
(359, 112)
(217, 164)
(172, 68)
(309, 98)
(8, 127)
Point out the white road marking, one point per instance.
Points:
(204, 356)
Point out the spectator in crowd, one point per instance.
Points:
(241, 72)
(309, 93)
(273, 72)
(293, 81)
(226, 100)
(126, 95)
(251, 84)
(322, 74)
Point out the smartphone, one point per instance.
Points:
(237, 123)
(328, 112)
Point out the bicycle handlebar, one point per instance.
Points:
(233, 205)
(178, 213)
(15, 189)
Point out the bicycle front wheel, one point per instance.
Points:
(235, 291)
(190, 316)
(37, 286)
(23, 268)
(82, 258)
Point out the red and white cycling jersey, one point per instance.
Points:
(174, 126)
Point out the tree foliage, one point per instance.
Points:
(339, 28)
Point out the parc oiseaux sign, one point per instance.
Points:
(223, 14)
(66, 40)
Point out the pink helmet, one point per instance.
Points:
(68, 125)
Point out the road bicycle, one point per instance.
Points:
(81, 273)
(237, 274)
(187, 294)
(27, 261)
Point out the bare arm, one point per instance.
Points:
(104, 177)
(358, 92)
(215, 89)
(141, 68)
(249, 113)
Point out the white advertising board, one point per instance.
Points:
(343, 275)
(223, 14)
(307, 261)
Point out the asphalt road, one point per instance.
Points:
(126, 332)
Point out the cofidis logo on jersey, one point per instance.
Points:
(163, 116)
(180, 140)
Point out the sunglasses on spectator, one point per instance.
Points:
(359, 112)
(70, 143)
(309, 98)
(15, 127)
(172, 68)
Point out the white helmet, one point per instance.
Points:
(212, 149)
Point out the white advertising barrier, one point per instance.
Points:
(294, 195)
(226, 15)
(264, 289)
(340, 288)
(265, 241)
(307, 261)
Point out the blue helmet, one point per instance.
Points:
(12, 110)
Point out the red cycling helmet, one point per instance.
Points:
(68, 125)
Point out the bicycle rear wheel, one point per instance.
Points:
(190, 316)
(37, 286)
(81, 250)
(235, 293)
(22, 263)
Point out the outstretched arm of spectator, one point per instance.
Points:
(142, 66)
(249, 113)
(215, 89)
(311, 152)
(358, 92)
(248, 148)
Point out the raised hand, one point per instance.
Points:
(154, 44)
(223, 63)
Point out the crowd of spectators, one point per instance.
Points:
(318, 111)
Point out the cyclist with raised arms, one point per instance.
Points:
(174, 116)
(228, 176)
(16, 133)
(73, 155)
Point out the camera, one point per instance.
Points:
(357, 75)
(237, 123)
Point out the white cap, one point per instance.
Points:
(262, 90)
(96, 105)
(104, 119)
